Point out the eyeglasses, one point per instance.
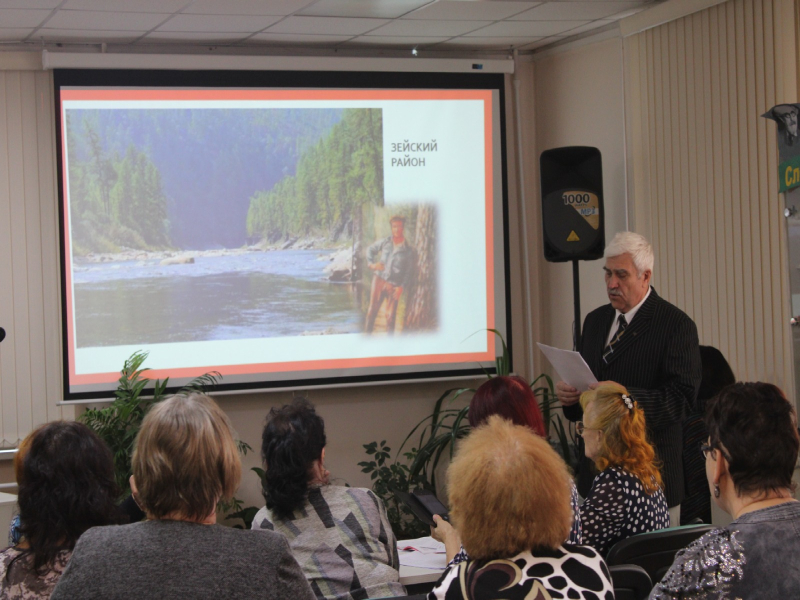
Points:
(706, 448)
(580, 428)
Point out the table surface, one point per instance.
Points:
(415, 575)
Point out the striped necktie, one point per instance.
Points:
(608, 350)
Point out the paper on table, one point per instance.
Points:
(570, 366)
(426, 545)
(422, 560)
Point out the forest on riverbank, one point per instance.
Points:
(334, 179)
(179, 178)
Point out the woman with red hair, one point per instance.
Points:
(626, 496)
(511, 398)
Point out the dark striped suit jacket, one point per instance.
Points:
(658, 360)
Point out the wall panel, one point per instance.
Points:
(30, 356)
(703, 173)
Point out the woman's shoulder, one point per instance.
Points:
(612, 477)
(9, 554)
(573, 570)
(714, 558)
(18, 582)
(623, 479)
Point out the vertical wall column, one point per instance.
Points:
(30, 356)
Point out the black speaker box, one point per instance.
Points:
(572, 203)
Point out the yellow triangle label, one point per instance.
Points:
(573, 237)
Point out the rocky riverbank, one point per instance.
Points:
(339, 267)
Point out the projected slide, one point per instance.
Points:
(263, 232)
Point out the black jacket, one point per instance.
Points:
(658, 360)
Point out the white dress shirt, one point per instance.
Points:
(628, 317)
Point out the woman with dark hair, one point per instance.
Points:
(750, 457)
(626, 496)
(66, 485)
(340, 535)
(717, 374)
(511, 398)
(185, 460)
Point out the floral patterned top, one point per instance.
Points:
(19, 582)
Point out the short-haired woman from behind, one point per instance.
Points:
(340, 535)
(750, 458)
(185, 460)
(509, 498)
(66, 485)
(511, 398)
(626, 496)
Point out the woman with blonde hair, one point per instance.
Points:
(185, 460)
(509, 499)
(626, 496)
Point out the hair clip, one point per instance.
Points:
(628, 401)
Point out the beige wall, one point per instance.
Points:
(577, 100)
(353, 417)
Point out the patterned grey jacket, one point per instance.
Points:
(756, 556)
(343, 542)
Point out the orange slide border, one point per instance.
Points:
(262, 94)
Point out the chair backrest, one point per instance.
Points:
(631, 582)
(655, 551)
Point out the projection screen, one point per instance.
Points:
(283, 229)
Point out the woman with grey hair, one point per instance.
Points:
(185, 461)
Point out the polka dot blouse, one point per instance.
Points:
(618, 507)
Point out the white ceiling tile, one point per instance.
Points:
(279, 8)
(84, 35)
(12, 18)
(589, 26)
(490, 42)
(29, 4)
(543, 42)
(526, 28)
(151, 6)
(632, 11)
(193, 37)
(110, 21)
(326, 25)
(445, 29)
(218, 23)
(284, 39)
(14, 34)
(470, 11)
(389, 40)
(552, 11)
(376, 9)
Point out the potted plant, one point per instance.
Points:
(437, 434)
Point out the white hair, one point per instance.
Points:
(627, 242)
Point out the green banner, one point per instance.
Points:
(789, 173)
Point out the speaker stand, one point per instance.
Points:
(576, 288)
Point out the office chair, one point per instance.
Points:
(631, 582)
(655, 551)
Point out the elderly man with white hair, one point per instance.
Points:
(646, 344)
